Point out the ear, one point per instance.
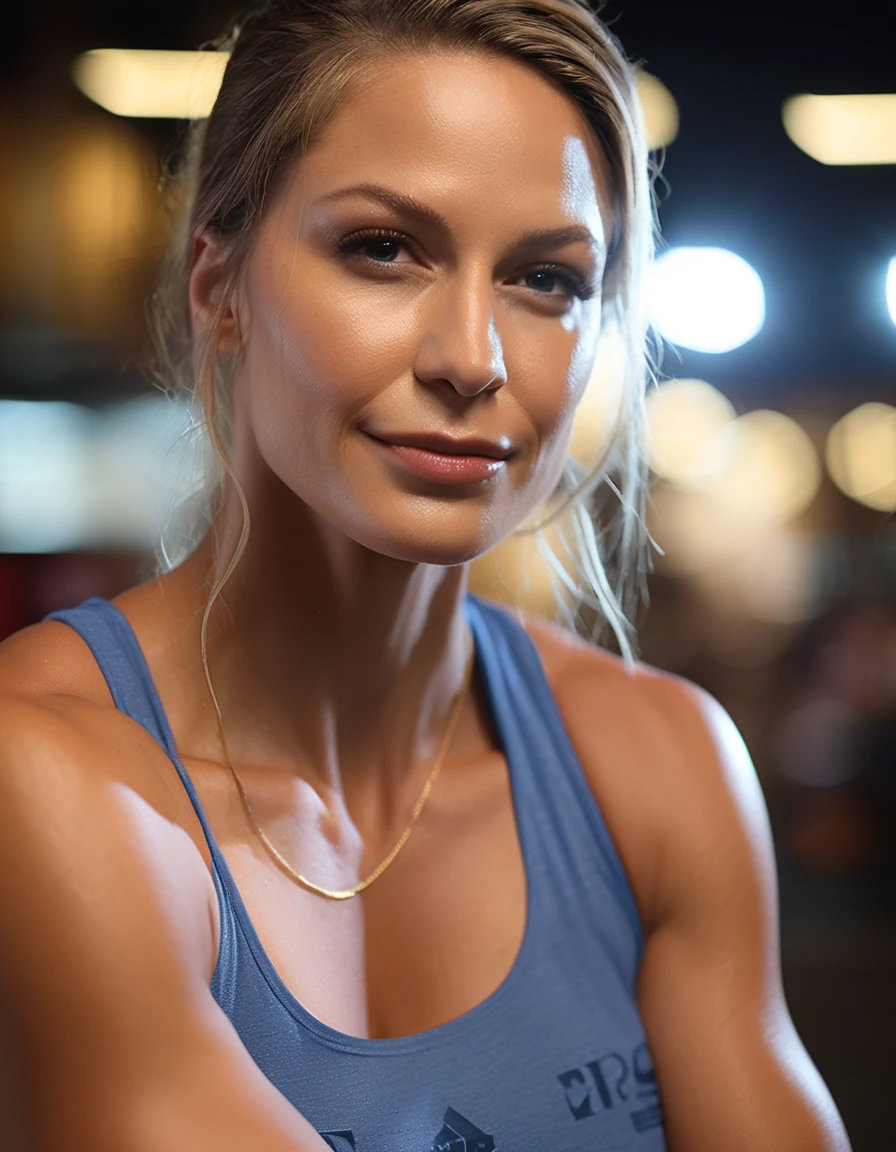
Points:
(206, 289)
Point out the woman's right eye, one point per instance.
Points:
(377, 246)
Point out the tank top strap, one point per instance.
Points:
(563, 833)
(566, 845)
(111, 639)
(108, 633)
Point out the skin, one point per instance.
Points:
(363, 573)
(336, 660)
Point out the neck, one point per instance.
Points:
(330, 662)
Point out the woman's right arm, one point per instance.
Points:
(115, 1042)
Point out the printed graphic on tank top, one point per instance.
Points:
(555, 1059)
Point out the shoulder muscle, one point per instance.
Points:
(731, 1067)
(679, 791)
(103, 935)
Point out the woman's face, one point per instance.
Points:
(432, 267)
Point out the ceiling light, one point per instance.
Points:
(184, 85)
(708, 299)
(853, 129)
(137, 82)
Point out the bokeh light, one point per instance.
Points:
(736, 536)
(659, 109)
(861, 455)
(707, 299)
(73, 477)
(691, 433)
(598, 412)
(852, 129)
(140, 82)
(184, 86)
(774, 473)
(523, 569)
(44, 459)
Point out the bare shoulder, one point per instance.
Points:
(93, 866)
(107, 935)
(686, 811)
(66, 748)
(50, 660)
(77, 781)
(51, 682)
(574, 664)
(665, 761)
(52, 693)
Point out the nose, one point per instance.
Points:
(460, 344)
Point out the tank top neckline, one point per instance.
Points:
(490, 674)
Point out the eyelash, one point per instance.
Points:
(351, 245)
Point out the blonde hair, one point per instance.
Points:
(291, 66)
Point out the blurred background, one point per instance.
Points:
(773, 436)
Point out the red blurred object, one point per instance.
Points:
(33, 585)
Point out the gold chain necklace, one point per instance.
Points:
(347, 893)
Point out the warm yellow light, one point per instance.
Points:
(136, 82)
(102, 208)
(691, 432)
(861, 455)
(659, 109)
(597, 415)
(851, 129)
(184, 85)
(776, 577)
(518, 572)
(775, 472)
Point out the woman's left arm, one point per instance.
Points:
(732, 1071)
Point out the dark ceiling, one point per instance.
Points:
(819, 236)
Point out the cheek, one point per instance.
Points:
(581, 361)
(553, 395)
(317, 354)
(550, 399)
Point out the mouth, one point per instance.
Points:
(442, 445)
(442, 460)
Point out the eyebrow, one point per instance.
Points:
(401, 202)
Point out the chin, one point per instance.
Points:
(423, 543)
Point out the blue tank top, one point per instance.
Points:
(555, 1059)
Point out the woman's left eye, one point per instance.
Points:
(545, 281)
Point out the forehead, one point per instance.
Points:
(472, 133)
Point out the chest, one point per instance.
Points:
(429, 940)
(558, 1061)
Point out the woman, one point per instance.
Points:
(348, 857)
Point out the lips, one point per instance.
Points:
(443, 460)
(448, 445)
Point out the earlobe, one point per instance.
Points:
(207, 285)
